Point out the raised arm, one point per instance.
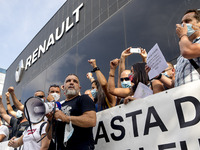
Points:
(90, 76)
(143, 54)
(121, 92)
(3, 113)
(9, 107)
(16, 102)
(121, 68)
(103, 82)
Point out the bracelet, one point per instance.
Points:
(182, 36)
(158, 78)
(8, 103)
(95, 69)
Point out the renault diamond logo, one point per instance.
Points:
(19, 71)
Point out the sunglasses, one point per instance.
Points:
(126, 79)
(40, 96)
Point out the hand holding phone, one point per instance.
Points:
(135, 50)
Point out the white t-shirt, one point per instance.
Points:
(31, 137)
(4, 130)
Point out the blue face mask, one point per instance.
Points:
(190, 30)
(165, 74)
(94, 93)
(126, 84)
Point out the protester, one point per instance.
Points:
(18, 125)
(4, 132)
(54, 93)
(122, 67)
(30, 138)
(17, 114)
(189, 35)
(138, 74)
(78, 111)
(169, 71)
(104, 99)
(18, 104)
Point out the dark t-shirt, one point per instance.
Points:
(82, 138)
(17, 127)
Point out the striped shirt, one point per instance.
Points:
(185, 72)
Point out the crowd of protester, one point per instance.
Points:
(102, 95)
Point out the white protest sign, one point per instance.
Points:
(142, 91)
(156, 61)
(166, 120)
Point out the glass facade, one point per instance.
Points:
(105, 29)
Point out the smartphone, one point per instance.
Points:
(135, 50)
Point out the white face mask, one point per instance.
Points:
(19, 114)
(56, 96)
(69, 130)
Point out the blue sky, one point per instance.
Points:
(20, 21)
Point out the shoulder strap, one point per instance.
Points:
(41, 126)
(107, 102)
(194, 64)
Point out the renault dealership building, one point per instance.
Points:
(99, 29)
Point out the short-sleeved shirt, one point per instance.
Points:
(17, 127)
(82, 138)
(4, 130)
(185, 72)
(32, 136)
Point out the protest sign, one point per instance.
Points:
(156, 61)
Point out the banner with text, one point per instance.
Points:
(167, 120)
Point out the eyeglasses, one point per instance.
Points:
(40, 96)
(126, 79)
(167, 69)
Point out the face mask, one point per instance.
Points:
(68, 132)
(56, 96)
(126, 84)
(42, 99)
(165, 74)
(94, 93)
(19, 114)
(190, 30)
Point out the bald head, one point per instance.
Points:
(125, 73)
